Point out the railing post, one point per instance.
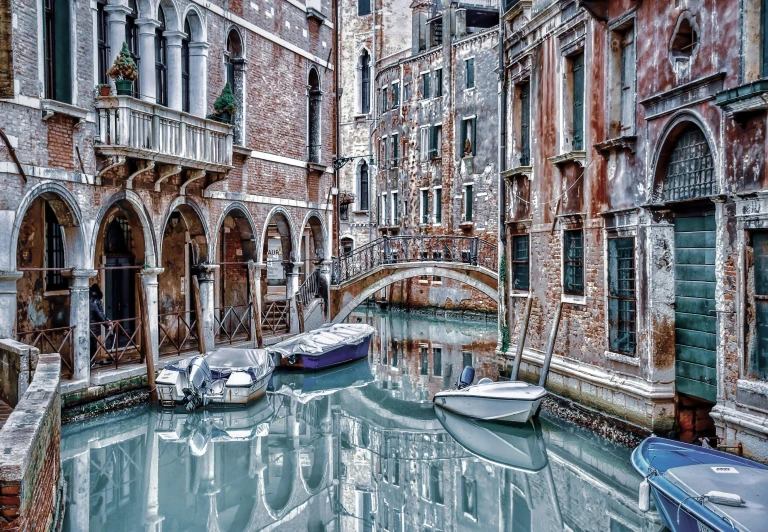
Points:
(473, 246)
(79, 314)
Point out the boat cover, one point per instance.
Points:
(750, 484)
(323, 340)
(517, 390)
(224, 361)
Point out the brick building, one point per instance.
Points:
(434, 140)
(100, 188)
(635, 179)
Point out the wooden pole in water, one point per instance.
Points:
(550, 345)
(198, 315)
(146, 339)
(521, 339)
(255, 305)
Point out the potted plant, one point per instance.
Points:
(104, 89)
(225, 105)
(124, 71)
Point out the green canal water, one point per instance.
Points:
(355, 448)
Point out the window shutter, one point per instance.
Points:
(764, 37)
(438, 205)
(525, 125)
(468, 206)
(474, 136)
(62, 51)
(627, 81)
(426, 87)
(578, 102)
(470, 73)
(463, 139)
(6, 50)
(363, 7)
(432, 142)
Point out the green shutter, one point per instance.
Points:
(764, 37)
(474, 136)
(438, 205)
(425, 91)
(695, 317)
(578, 102)
(463, 139)
(62, 53)
(525, 125)
(470, 73)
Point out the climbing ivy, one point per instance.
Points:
(504, 338)
(503, 269)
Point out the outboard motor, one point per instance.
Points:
(467, 376)
(199, 383)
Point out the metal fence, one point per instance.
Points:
(233, 323)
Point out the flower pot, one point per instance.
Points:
(105, 90)
(124, 87)
(226, 117)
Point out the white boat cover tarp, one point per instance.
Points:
(323, 340)
(228, 359)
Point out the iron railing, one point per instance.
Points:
(415, 248)
(178, 333)
(233, 323)
(117, 338)
(276, 316)
(310, 289)
(56, 340)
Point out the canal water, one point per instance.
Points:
(355, 448)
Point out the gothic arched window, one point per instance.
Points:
(690, 168)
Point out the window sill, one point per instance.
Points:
(624, 359)
(52, 107)
(756, 387)
(526, 171)
(522, 294)
(56, 293)
(622, 143)
(469, 89)
(467, 225)
(573, 299)
(359, 212)
(578, 157)
(361, 116)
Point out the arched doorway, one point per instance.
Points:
(685, 183)
(118, 255)
(236, 246)
(277, 250)
(312, 245)
(184, 250)
(48, 241)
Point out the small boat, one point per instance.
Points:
(514, 447)
(324, 347)
(229, 376)
(507, 401)
(696, 489)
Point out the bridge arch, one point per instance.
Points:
(408, 273)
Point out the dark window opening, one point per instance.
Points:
(437, 361)
(132, 40)
(102, 36)
(577, 65)
(684, 45)
(57, 51)
(468, 203)
(758, 360)
(466, 358)
(520, 262)
(363, 7)
(469, 137)
(435, 142)
(438, 205)
(315, 100)
(344, 212)
(525, 125)
(470, 65)
(365, 83)
(438, 83)
(621, 295)
(573, 282)
(185, 68)
(690, 170)
(364, 193)
(54, 251)
(395, 95)
(425, 206)
(469, 497)
(384, 100)
(161, 60)
(425, 89)
(424, 361)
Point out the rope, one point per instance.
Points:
(561, 196)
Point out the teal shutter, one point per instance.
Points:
(764, 37)
(578, 102)
(470, 73)
(463, 139)
(759, 356)
(438, 205)
(525, 125)
(474, 136)
(520, 262)
(469, 200)
(425, 89)
(62, 53)
(695, 317)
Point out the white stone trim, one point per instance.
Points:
(267, 200)
(261, 32)
(271, 157)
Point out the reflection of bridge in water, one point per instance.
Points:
(341, 450)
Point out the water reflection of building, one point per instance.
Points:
(369, 456)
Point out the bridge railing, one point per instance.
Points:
(416, 248)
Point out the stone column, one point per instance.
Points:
(174, 68)
(147, 78)
(153, 520)
(117, 15)
(149, 283)
(239, 65)
(325, 277)
(291, 288)
(79, 317)
(198, 76)
(8, 302)
(207, 303)
(79, 513)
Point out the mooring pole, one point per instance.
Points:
(550, 345)
(521, 339)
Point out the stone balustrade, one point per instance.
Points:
(134, 128)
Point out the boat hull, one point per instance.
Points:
(170, 383)
(341, 355)
(490, 409)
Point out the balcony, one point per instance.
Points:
(137, 129)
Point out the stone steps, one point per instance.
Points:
(5, 412)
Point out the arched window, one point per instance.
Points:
(315, 99)
(690, 168)
(132, 40)
(365, 83)
(363, 188)
(161, 60)
(234, 51)
(185, 67)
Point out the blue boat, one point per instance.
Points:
(696, 489)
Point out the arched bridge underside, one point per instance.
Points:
(348, 295)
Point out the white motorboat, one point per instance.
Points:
(229, 376)
(507, 401)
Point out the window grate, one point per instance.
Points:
(574, 262)
(621, 295)
(691, 170)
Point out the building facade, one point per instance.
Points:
(635, 175)
(435, 141)
(153, 195)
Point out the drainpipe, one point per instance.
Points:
(504, 315)
(372, 183)
(335, 200)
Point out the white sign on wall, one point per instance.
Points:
(275, 270)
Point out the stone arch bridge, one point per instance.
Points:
(387, 260)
